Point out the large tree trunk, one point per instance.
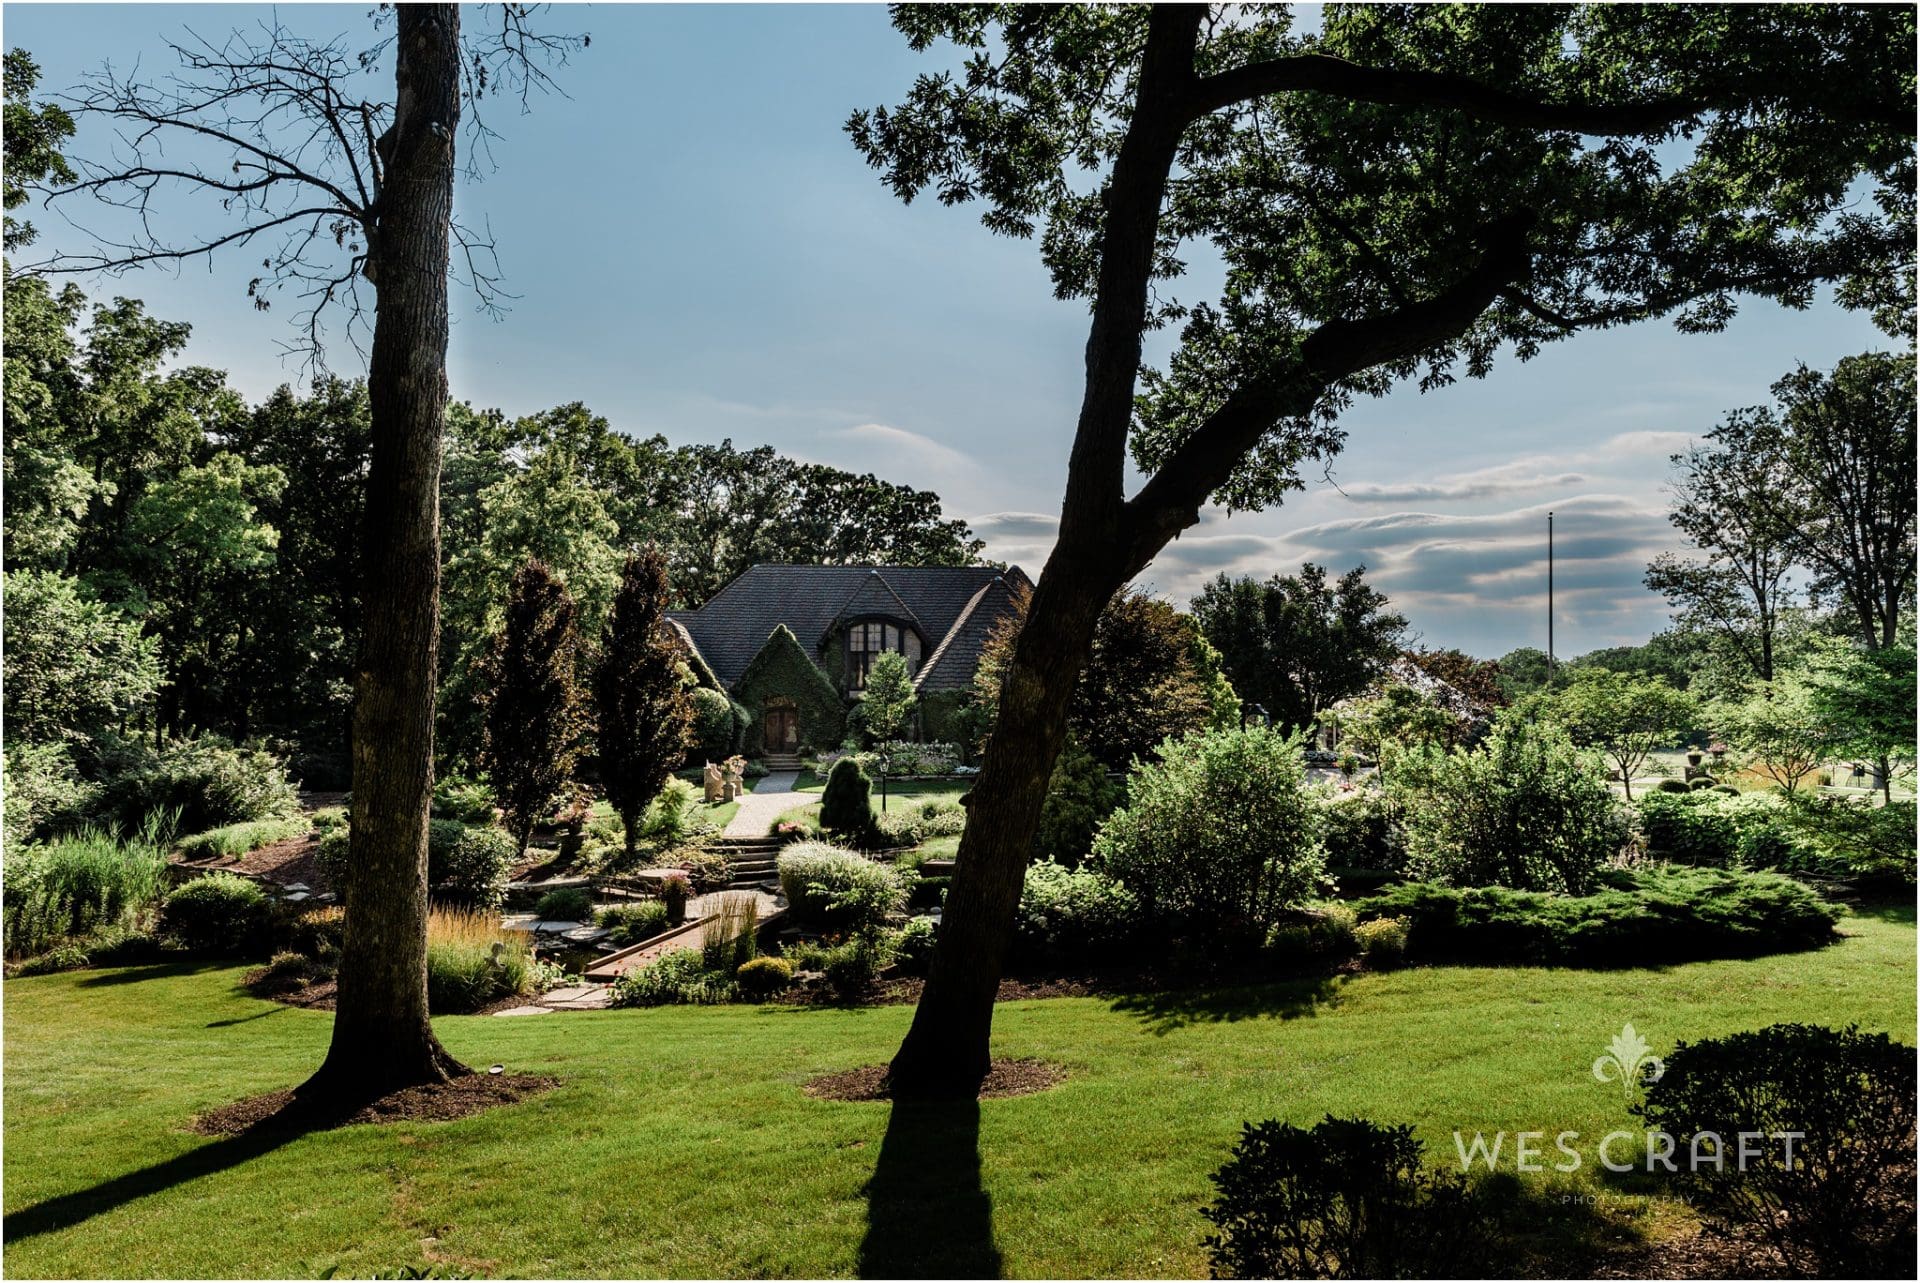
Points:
(381, 1035)
(945, 1053)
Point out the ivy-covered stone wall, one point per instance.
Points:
(783, 667)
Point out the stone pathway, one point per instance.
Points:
(771, 795)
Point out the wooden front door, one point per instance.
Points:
(783, 730)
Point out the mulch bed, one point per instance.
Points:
(1004, 1078)
(284, 862)
(1702, 1254)
(439, 1102)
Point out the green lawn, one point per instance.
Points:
(680, 1143)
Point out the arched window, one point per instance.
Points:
(868, 637)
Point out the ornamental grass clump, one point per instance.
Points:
(76, 884)
(833, 889)
(234, 840)
(472, 961)
(629, 924)
(727, 934)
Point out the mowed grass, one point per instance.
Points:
(681, 1144)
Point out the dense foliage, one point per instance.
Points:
(1526, 809)
(1836, 1203)
(1636, 918)
(78, 884)
(220, 913)
(1080, 796)
(1345, 1198)
(1297, 644)
(643, 711)
(1151, 676)
(536, 713)
(1221, 831)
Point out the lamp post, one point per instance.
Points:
(1549, 597)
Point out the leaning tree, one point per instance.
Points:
(1397, 194)
(279, 146)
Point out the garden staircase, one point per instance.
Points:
(751, 861)
(781, 762)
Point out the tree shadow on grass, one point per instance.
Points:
(67, 1210)
(928, 1217)
(150, 971)
(241, 1020)
(1176, 1009)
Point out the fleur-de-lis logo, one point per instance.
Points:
(1630, 1060)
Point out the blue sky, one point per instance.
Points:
(698, 251)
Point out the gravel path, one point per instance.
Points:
(760, 808)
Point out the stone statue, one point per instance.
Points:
(715, 783)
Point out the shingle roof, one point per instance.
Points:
(951, 666)
(732, 627)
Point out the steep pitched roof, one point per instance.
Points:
(951, 665)
(731, 628)
(875, 596)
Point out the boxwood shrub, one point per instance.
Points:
(1635, 918)
(222, 914)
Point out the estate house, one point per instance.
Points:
(792, 645)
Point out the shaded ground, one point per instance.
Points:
(437, 1103)
(1004, 1078)
(747, 1176)
(284, 862)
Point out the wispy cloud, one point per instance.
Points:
(922, 455)
(1530, 474)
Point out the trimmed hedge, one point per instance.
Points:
(1638, 918)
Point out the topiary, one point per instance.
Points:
(1838, 1201)
(1672, 786)
(763, 977)
(221, 913)
(846, 804)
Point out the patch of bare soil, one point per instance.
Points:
(1703, 1254)
(1004, 1078)
(284, 862)
(438, 1102)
